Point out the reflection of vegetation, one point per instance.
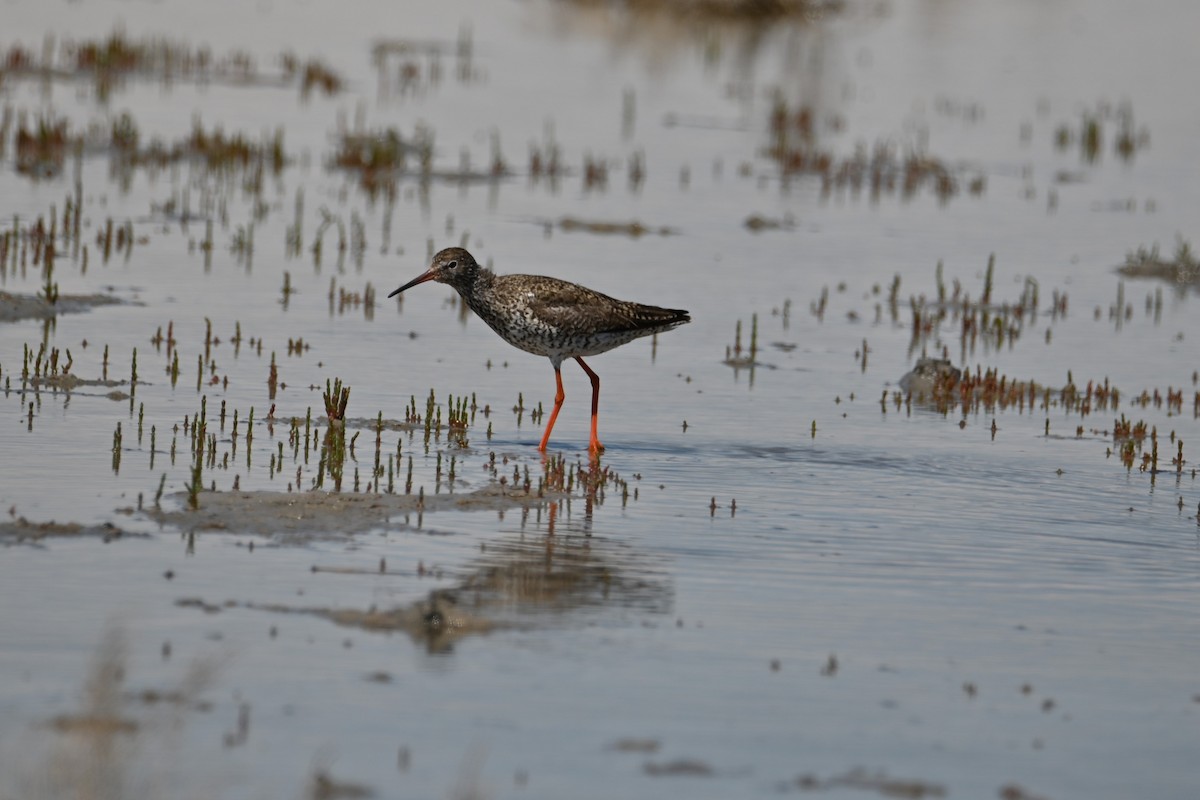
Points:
(381, 157)
(111, 60)
(732, 9)
(42, 150)
(1129, 437)
(516, 578)
(738, 358)
(215, 149)
(1183, 269)
(49, 285)
(565, 573)
(936, 384)
(879, 170)
(946, 389)
(976, 319)
(1090, 132)
(104, 748)
(373, 152)
(401, 71)
(199, 433)
(313, 74)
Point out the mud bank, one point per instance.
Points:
(303, 516)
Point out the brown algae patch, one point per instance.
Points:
(319, 515)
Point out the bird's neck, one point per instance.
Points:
(480, 286)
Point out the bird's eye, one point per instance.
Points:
(452, 265)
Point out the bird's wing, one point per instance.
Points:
(562, 304)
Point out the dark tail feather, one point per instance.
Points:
(655, 317)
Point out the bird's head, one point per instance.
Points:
(453, 266)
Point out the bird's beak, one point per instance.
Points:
(427, 275)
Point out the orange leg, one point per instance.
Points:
(593, 445)
(559, 396)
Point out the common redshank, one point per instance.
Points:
(548, 317)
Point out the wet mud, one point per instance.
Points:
(301, 517)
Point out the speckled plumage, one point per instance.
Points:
(548, 317)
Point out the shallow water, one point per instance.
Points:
(783, 584)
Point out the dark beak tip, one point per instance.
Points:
(425, 276)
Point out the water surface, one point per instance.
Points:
(784, 583)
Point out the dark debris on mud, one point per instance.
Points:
(437, 622)
(14, 307)
(864, 780)
(23, 531)
(1181, 269)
